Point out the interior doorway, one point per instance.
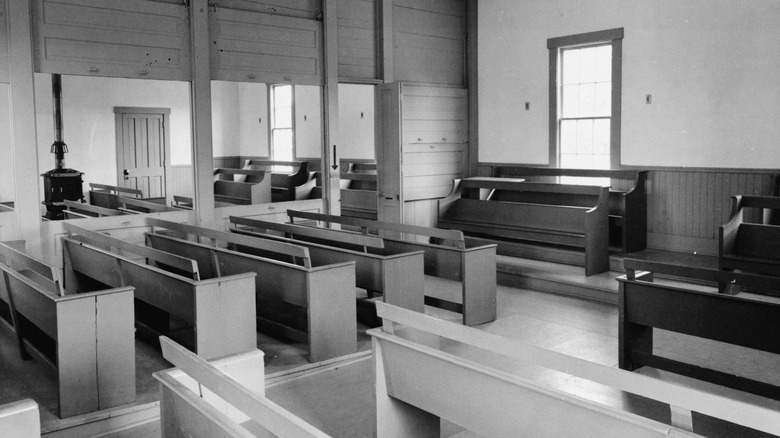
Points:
(142, 140)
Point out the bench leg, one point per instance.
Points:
(631, 337)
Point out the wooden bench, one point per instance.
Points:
(457, 278)
(104, 195)
(558, 214)
(359, 195)
(290, 180)
(252, 186)
(79, 210)
(627, 197)
(86, 337)
(743, 320)
(398, 276)
(309, 302)
(218, 313)
(751, 247)
(20, 419)
(224, 398)
(420, 378)
(183, 202)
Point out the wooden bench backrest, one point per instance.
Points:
(20, 261)
(116, 189)
(758, 241)
(316, 233)
(128, 203)
(635, 176)
(677, 397)
(455, 237)
(187, 266)
(100, 211)
(271, 416)
(296, 252)
(360, 181)
(256, 175)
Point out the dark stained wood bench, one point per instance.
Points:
(398, 276)
(222, 398)
(359, 195)
(309, 302)
(217, 313)
(745, 320)
(558, 214)
(290, 180)
(231, 186)
(458, 277)
(86, 337)
(750, 247)
(627, 197)
(420, 379)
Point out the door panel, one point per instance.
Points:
(142, 152)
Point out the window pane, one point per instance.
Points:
(568, 136)
(603, 99)
(571, 101)
(601, 136)
(601, 162)
(571, 66)
(282, 99)
(585, 137)
(587, 65)
(587, 100)
(282, 144)
(568, 160)
(604, 63)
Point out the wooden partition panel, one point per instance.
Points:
(117, 38)
(357, 39)
(4, 58)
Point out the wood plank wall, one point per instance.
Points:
(429, 41)
(290, 8)
(5, 75)
(687, 207)
(357, 39)
(179, 181)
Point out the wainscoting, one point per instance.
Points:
(180, 181)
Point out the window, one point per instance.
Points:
(585, 100)
(282, 138)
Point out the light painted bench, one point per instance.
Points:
(220, 311)
(20, 419)
(398, 276)
(418, 383)
(86, 337)
(78, 210)
(224, 398)
(449, 264)
(288, 284)
(290, 180)
(359, 196)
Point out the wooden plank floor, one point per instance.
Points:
(338, 397)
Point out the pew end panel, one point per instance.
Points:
(20, 419)
(234, 402)
(92, 349)
(747, 246)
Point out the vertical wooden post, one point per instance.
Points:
(385, 40)
(472, 83)
(331, 170)
(201, 112)
(27, 202)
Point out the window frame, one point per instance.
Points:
(614, 37)
(272, 118)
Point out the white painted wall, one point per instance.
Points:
(308, 121)
(7, 186)
(710, 65)
(356, 121)
(225, 123)
(89, 126)
(253, 119)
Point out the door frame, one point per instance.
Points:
(119, 111)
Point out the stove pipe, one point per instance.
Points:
(60, 184)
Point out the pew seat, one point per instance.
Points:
(751, 247)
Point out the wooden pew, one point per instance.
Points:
(751, 247)
(218, 312)
(558, 214)
(20, 419)
(240, 191)
(627, 197)
(359, 195)
(398, 276)
(6, 209)
(87, 338)
(449, 265)
(290, 180)
(138, 206)
(419, 379)
(224, 398)
(183, 202)
(306, 301)
(104, 195)
(739, 320)
(77, 210)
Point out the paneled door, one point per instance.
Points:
(142, 143)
